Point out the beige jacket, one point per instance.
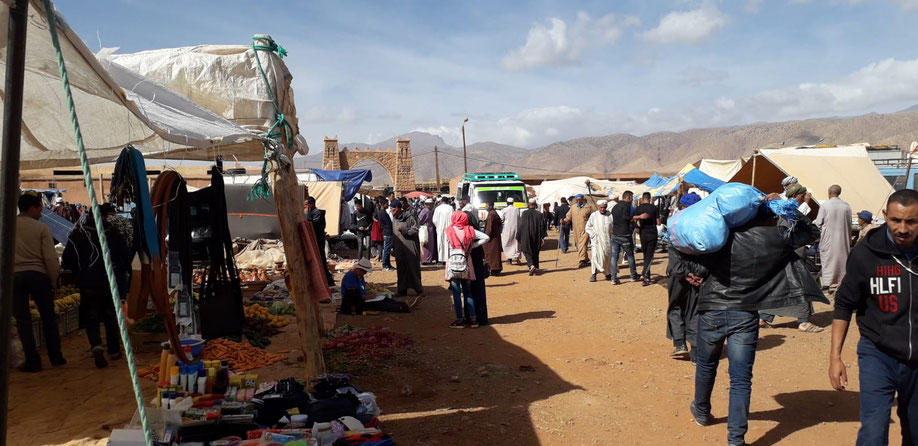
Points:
(35, 248)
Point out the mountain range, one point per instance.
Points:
(664, 152)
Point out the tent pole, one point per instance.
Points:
(754, 156)
(9, 187)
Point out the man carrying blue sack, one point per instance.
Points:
(878, 285)
(756, 269)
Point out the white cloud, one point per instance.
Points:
(687, 27)
(697, 75)
(326, 115)
(557, 43)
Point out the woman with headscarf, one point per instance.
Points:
(459, 269)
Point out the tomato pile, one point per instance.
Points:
(374, 343)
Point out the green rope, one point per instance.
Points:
(97, 215)
(262, 188)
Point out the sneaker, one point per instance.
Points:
(635, 278)
(609, 277)
(98, 355)
(458, 324)
(473, 324)
(593, 277)
(115, 356)
(531, 271)
(388, 268)
(680, 350)
(616, 282)
(700, 418)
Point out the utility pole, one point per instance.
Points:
(437, 167)
(465, 160)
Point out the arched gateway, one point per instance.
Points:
(397, 162)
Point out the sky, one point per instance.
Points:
(532, 73)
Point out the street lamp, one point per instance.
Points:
(465, 160)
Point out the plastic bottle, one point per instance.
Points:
(202, 381)
(211, 379)
(174, 374)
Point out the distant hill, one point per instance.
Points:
(661, 151)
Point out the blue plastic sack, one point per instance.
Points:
(705, 226)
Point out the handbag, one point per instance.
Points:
(422, 234)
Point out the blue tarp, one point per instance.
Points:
(60, 226)
(702, 180)
(352, 179)
(655, 180)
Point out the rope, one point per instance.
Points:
(262, 188)
(97, 215)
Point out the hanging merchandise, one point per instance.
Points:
(170, 205)
(220, 305)
(129, 185)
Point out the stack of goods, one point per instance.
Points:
(236, 409)
(274, 291)
(263, 254)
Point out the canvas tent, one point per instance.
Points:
(552, 191)
(818, 168)
(112, 115)
(721, 169)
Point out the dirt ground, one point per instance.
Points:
(565, 362)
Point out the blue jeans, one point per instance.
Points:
(740, 329)
(564, 237)
(623, 243)
(881, 378)
(462, 288)
(386, 251)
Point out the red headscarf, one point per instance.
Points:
(460, 224)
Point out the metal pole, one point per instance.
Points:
(465, 160)
(437, 167)
(9, 187)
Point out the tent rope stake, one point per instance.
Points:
(97, 215)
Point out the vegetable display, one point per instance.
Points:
(241, 356)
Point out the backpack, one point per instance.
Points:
(458, 263)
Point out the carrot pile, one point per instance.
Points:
(151, 373)
(241, 356)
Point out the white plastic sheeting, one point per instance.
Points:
(721, 169)
(223, 79)
(552, 191)
(110, 118)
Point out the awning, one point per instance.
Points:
(352, 179)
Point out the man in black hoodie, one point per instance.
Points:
(881, 273)
(756, 269)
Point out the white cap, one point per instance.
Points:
(429, 200)
(510, 200)
(533, 201)
(601, 202)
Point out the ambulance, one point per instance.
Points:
(484, 188)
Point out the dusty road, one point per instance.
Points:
(565, 362)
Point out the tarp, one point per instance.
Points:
(223, 79)
(654, 180)
(657, 185)
(254, 219)
(352, 179)
(702, 180)
(110, 117)
(60, 226)
(818, 168)
(721, 169)
(552, 191)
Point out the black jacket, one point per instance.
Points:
(362, 219)
(879, 287)
(758, 269)
(83, 257)
(385, 223)
(561, 213)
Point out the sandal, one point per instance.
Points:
(810, 328)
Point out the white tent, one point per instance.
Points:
(149, 117)
(552, 191)
(721, 169)
(223, 79)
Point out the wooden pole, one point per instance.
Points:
(9, 185)
(437, 167)
(290, 214)
(754, 156)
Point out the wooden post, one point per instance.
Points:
(290, 214)
(437, 167)
(754, 156)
